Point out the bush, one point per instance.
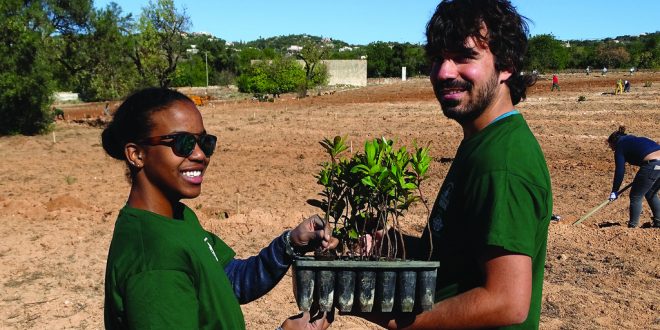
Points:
(582, 98)
(24, 102)
(279, 76)
(648, 83)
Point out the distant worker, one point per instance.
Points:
(619, 87)
(632, 70)
(588, 70)
(106, 109)
(59, 113)
(555, 83)
(626, 86)
(642, 152)
(604, 71)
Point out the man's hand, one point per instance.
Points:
(305, 321)
(613, 196)
(311, 233)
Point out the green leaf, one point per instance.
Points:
(370, 152)
(360, 169)
(409, 186)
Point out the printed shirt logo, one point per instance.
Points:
(206, 239)
(440, 207)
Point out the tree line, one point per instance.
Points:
(104, 54)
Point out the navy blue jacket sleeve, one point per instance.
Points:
(620, 169)
(253, 277)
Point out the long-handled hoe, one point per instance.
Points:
(607, 201)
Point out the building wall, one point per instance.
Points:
(347, 72)
(65, 96)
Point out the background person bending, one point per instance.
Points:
(642, 152)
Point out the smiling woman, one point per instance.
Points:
(164, 270)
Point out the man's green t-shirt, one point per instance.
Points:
(496, 193)
(165, 273)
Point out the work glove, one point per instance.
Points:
(613, 196)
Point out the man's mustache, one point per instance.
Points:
(454, 84)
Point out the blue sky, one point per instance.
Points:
(365, 21)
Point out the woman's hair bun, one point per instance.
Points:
(622, 129)
(111, 145)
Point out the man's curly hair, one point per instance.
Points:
(454, 21)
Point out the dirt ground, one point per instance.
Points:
(60, 194)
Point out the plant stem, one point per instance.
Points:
(428, 215)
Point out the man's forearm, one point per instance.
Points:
(504, 299)
(476, 308)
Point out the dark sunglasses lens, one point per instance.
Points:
(207, 143)
(184, 144)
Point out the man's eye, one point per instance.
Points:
(462, 59)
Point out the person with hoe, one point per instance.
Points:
(555, 83)
(164, 270)
(490, 219)
(619, 87)
(642, 152)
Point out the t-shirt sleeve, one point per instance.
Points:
(161, 299)
(513, 211)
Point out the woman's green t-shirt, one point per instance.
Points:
(165, 273)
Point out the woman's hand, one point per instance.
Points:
(312, 233)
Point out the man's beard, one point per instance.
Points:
(476, 104)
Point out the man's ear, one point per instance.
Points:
(505, 74)
(134, 155)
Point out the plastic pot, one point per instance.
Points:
(379, 286)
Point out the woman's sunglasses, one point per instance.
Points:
(183, 144)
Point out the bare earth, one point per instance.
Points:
(59, 197)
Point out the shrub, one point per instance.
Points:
(582, 98)
(368, 191)
(278, 76)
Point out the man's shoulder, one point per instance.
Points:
(508, 133)
(508, 146)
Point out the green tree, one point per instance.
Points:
(25, 78)
(581, 56)
(256, 79)
(110, 74)
(415, 61)
(647, 52)
(159, 44)
(316, 73)
(545, 52)
(611, 56)
(221, 60)
(191, 72)
(90, 49)
(379, 55)
(72, 50)
(288, 75)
